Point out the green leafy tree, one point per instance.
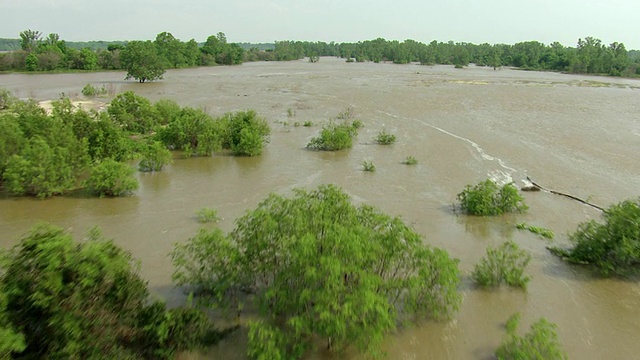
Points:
(134, 113)
(246, 133)
(487, 198)
(612, 248)
(39, 170)
(154, 157)
(87, 301)
(506, 263)
(142, 61)
(320, 268)
(334, 137)
(111, 178)
(193, 131)
(29, 39)
(540, 343)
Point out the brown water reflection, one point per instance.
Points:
(462, 125)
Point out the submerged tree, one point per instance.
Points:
(487, 198)
(612, 248)
(320, 267)
(142, 61)
(87, 301)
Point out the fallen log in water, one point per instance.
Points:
(538, 187)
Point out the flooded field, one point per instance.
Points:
(575, 134)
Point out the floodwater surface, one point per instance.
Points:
(575, 134)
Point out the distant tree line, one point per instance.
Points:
(38, 53)
(590, 56)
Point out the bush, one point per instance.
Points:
(613, 248)
(540, 343)
(111, 178)
(545, 233)
(410, 160)
(90, 91)
(154, 157)
(506, 263)
(487, 198)
(385, 138)
(319, 268)
(246, 133)
(307, 124)
(368, 166)
(334, 137)
(87, 301)
(207, 215)
(133, 113)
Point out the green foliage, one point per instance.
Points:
(91, 91)
(410, 160)
(545, 233)
(368, 166)
(334, 137)
(487, 198)
(142, 61)
(193, 130)
(540, 343)
(385, 138)
(246, 133)
(307, 124)
(506, 263)
(154, 156)
(612, 248)
(291, 112)
(111, 178)
(207, 215)
(6, 99)
(39, 170)
(86, 301)
(133, 113)
(347, 114)
(319, 268)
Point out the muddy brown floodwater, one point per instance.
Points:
(576, 134)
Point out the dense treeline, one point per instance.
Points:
(590, 56)
(36, 53)
(45, 154)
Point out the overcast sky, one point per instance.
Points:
(475, 21)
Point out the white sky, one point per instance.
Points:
(492, 21)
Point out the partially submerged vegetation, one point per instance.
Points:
(410, 160)
(540, 343)
(334, 136)
(319, 268)
(487, 198)
(64, 299)
(613, 247)
(506, 263)
(69, 149)
(385, 138)
(544, 232)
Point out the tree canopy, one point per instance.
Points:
(319, 267)
(142, 61)
(613, 247)
(62, 299)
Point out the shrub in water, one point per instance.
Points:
(505, 263)
(385, 138)
(334, 137)
(487, 198)
(613, 248)
(368, 166)
(540, 343)
(410, 160)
